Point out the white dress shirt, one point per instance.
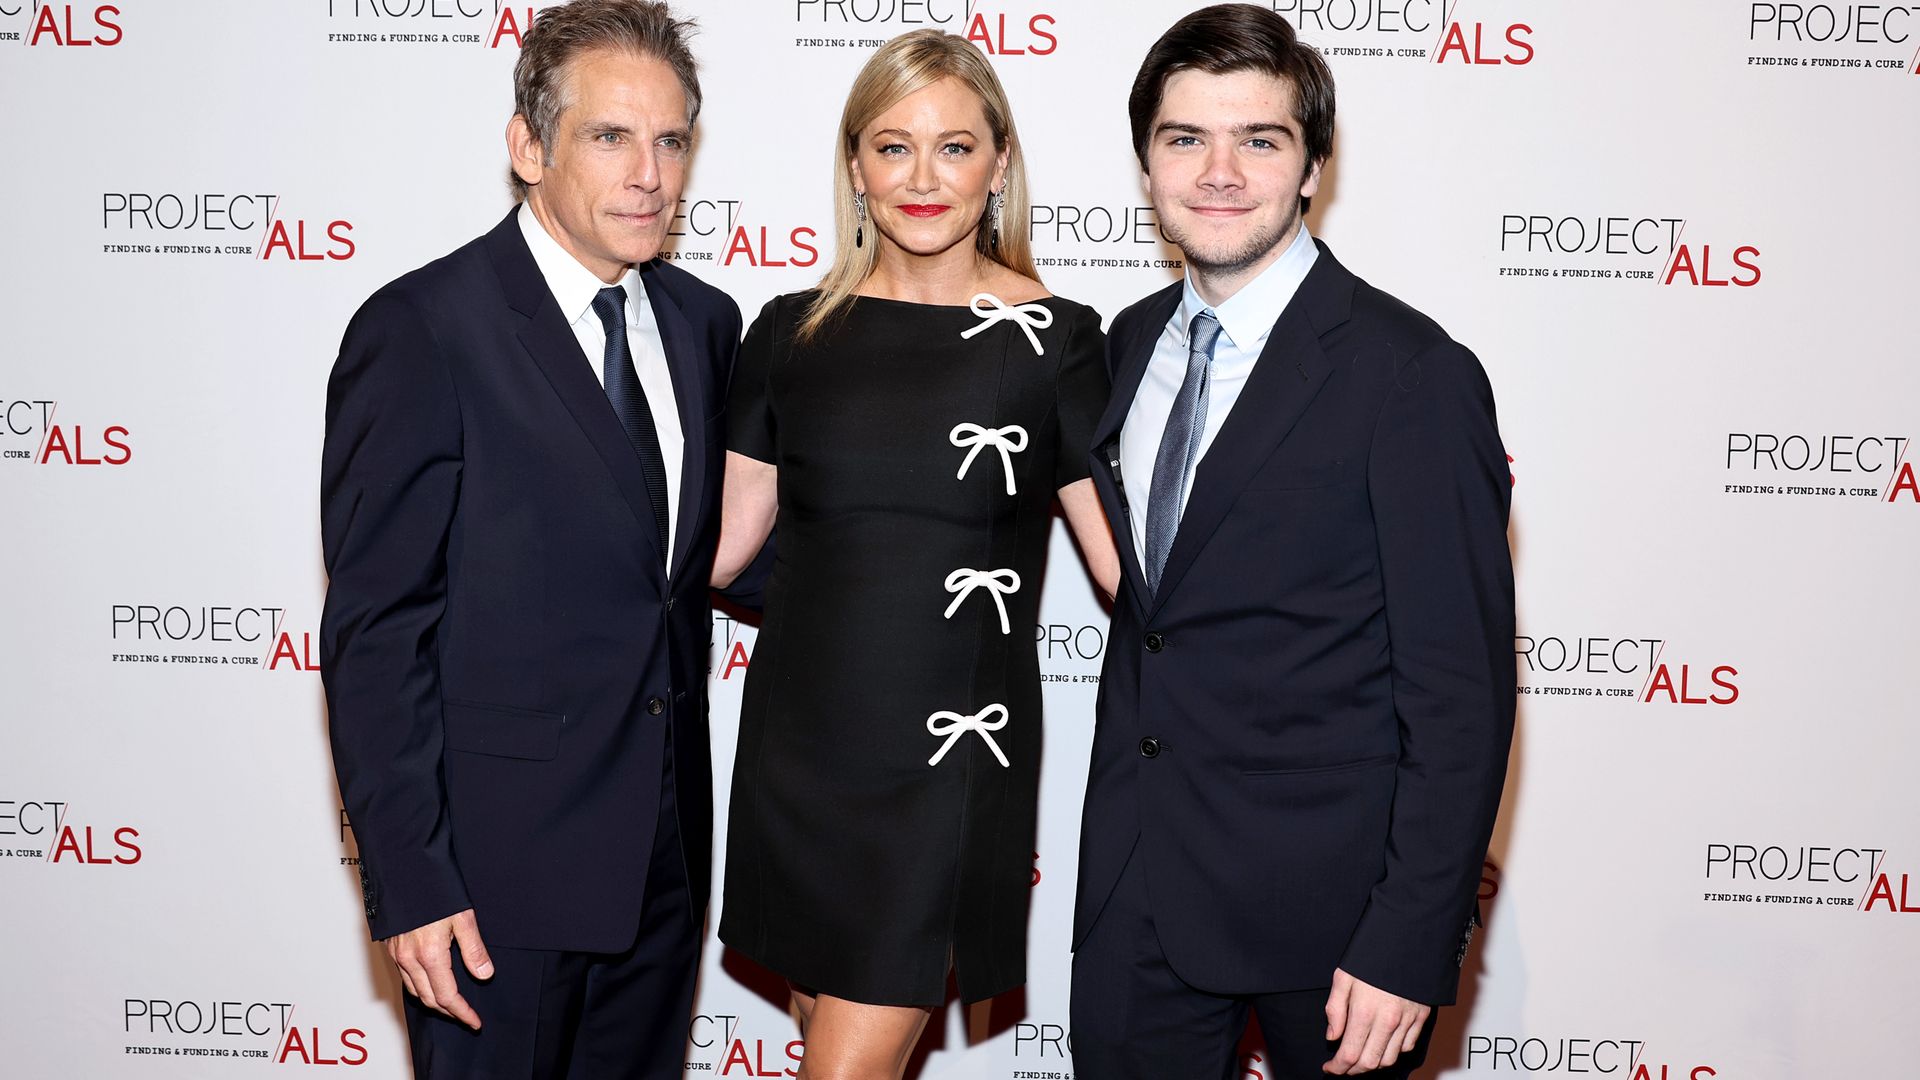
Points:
(1246, 318)
(574, 287)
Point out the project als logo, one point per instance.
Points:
(1070, 652)
(33, 432)
(41, 25)
(1647, 248)
(1090, 236)
(166, 223)
(998, 28)
(1625, 1059)
(1624, 668)
(1486, 35)
(718, 1045)
(243, 1028)
(1820, 467)
(730, 650)
(721, 232)
(1836, 40)
(1831, 877)
(484, 24)
(232, 637)
(48, 832)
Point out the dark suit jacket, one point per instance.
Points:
(1327, 673)
(502, 652)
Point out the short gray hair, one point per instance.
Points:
(560, 34)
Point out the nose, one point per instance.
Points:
(1222, 171)
(645, 170)
(923, 180)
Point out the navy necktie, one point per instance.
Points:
(1179, 448)
(630, 404)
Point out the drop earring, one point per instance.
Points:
(860, 219)
(999, 200)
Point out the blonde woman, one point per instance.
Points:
(909, 424)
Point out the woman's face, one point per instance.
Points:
(927, 166)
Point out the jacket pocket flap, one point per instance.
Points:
(502, 730)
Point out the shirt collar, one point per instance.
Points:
(573, 285)
(1247, 317)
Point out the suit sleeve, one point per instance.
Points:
(389, 489)
(1439, 487)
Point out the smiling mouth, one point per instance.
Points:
(924, 210)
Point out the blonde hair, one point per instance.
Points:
(906, 65)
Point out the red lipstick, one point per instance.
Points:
(924, 210)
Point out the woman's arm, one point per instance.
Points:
(748, 501)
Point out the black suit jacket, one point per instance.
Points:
(503, 654)
(1326, 675)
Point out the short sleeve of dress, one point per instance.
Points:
(750, 419)
(1080, 396)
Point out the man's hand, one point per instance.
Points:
(1373, 1026)
(426, 965)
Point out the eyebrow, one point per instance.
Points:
(1258, 127)
(943, 135)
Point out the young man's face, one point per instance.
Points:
(1227, 167)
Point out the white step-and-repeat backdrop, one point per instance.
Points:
(1681, 236)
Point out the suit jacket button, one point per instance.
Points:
(1149, 747)
(655, 706)
(669, 603)
(1154, 641)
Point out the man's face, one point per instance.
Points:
(1227, 167)
(607, 187)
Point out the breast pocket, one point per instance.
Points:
(501, 730)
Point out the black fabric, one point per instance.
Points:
(853, 866)
(1135, 1018)
(503, 650)
(629, 401)
(1325, 675)
(580, 1016)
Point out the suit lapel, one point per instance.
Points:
(1291, 369)
(1131, 357)
(691, 392)
(550, 342)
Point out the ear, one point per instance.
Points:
(1310, 184)
(1000, 170)
(859, 180)
(524, 150)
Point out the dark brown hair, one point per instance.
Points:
(542, 86)
(1227, 38)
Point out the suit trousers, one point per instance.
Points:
(581, 1016)
(1134, 1018)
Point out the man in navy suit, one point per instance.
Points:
(1309, 687)
(520, 496)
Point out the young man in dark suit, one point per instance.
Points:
(1309, 687)
(520, 497)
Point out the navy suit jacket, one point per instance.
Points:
(502, 651)
(1304, 735)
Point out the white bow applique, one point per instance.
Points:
(1030, 317)
(997, 583)
(1007, 440)
(953, 725)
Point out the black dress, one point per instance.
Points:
(882, 816)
